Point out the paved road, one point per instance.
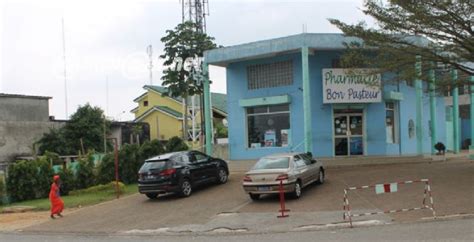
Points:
(455, 230)
(451, 184)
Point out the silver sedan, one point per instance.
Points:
(295, 171)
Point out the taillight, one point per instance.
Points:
(282, 177)
(140, 176)
(247, 179)
(168, 172)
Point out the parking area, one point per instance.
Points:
(452, 185)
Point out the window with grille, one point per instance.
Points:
(270, 75)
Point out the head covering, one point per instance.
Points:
(56, 177)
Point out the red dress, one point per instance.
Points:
(57, 204)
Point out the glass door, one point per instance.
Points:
(348, 134)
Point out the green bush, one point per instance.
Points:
(176, 144)
(150, 149)
(44, 177)
(106, 169)
(68, 181)
(85, 176)
(2, 189)
(21, 182)
(129, 163)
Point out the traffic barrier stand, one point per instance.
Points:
(282, 202)
(388, 188)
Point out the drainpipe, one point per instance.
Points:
(434, 135)
(419, 107)
(308, 147)
(455, 94)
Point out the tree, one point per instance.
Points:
(53, 142)
(186, 41)
(439, 32)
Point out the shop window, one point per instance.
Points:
(270, 75)
(268, 126)
(391, 124)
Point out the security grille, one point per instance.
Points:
(270, 75)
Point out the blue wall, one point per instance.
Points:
(322, 114)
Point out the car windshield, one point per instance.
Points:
(153, 165)
(272, 163)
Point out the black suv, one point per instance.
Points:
(180, 172)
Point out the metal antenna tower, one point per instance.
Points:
(149, 51)
(195, 11)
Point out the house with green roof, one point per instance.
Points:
(165, 116)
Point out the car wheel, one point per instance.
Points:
(222, 176)
(321, 176)
(298, 190)
(186, 188)
(152, 195)
(254, 197)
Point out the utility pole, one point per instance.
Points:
(65, 76)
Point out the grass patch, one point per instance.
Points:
(84, 197)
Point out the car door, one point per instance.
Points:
(313, 167)
(301, 169)
(196, 169)
(208, 167)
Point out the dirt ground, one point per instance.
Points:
(451, 183)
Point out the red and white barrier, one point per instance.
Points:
(388, 188)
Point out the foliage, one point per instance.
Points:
(53, 141)
(438, 31)
(129, 163)
(185, 41)
(21, 180)
(150, 149)
(68, 181)
(85, 176)
(87, 123)
(2, 188)
(44, 176)
(106, 169)
(176, 144)
(221, 130)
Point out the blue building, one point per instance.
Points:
(346, 112)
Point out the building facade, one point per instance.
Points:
(346, 112)
(23, 121)
(164, 114)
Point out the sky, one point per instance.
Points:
(106, 41)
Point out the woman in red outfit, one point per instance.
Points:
(57, 204)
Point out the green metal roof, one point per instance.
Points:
(170, 111)
(219, 100)
(164, 109)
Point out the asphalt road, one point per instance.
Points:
(451, 185)
(453, 230)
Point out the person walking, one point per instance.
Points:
(57, 204)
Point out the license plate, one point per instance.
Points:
(150, 177)
(263, 188)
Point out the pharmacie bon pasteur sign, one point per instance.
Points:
(351, 86)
